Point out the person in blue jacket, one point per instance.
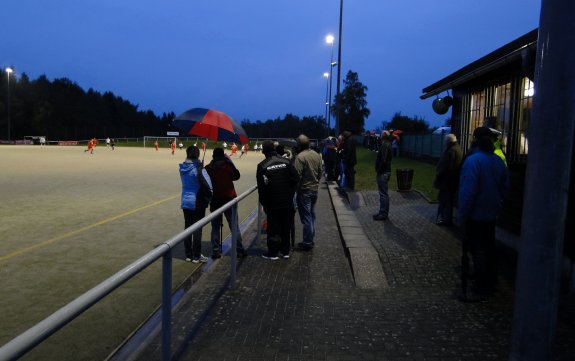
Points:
(196, 195)
(482, 187)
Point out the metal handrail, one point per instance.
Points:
(35, 335)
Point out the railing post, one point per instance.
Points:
(233, 250)
(166, 305)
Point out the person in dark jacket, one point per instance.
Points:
(447, 179)
(383, 173)
(223, 173)
(482, 186)
(277, 180)
(196, 192)
(349, 159)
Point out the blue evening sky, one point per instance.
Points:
(257, 59)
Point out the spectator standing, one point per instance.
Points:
(329, 155)
(277, 180)
(349, 159)
(308, 166)
(383, 173)
(447, 179)
(223, 173)
(196, 195)
(483, 183)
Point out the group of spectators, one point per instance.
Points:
(339, 157)
(285, 185)
(288, 183)
(477, 184)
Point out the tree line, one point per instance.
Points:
(62, 110)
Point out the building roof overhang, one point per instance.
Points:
(520, 48)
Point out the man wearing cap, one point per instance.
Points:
(482, 186)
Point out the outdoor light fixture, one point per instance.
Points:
(441, 105)
(329, 39)
(9, 71)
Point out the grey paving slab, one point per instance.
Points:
(359, 241)
(367, 268)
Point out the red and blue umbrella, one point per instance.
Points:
(211, 124)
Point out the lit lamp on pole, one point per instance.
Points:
(329, 40)
(9, 72)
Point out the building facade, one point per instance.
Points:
(497, 91)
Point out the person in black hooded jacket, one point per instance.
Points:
(277, 180)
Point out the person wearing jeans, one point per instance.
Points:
(383, 173)
(308, 166)
(306, 201)
(382, 187)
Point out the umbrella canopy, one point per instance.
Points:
(211, 124)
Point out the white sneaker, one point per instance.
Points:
(188, 260)
(201, 259)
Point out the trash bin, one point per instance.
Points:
(404, 179)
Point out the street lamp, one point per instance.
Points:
(326, 75)
(9, 71)
(329, 40)
(337, 97)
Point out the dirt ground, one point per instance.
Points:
(70, 219)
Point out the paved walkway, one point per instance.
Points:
(383, 291)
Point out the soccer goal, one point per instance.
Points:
(163, 142)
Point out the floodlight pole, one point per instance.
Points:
(9, 71)
(337, 99)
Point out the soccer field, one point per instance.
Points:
(70, 219)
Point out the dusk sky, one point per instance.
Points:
(257, 59)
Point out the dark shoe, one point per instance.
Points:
(241, 254)
(270, 257)
(380, 217)
(216, 255)
(304, 247)
(471, 297)
(284, 256)
(444, 223)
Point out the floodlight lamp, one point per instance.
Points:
(329, 39)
